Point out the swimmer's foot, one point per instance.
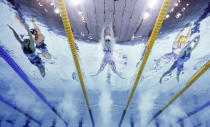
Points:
(42, 70)
(46, 55)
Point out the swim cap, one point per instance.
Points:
(182, 39)
(108, 38)
(33, 31)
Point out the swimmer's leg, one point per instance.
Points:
(169, 71)
(112, 64)
(42, 70)
(104, 63)
(179, 70)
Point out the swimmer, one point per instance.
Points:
(107, 39)
(28, 48)
(184, 55)
(179, 43)
(38, 38)
(145, 48)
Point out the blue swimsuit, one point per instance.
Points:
(33, 57)
(180, 62)
(41, 46)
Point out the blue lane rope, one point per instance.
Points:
(25, 78)
(189, 114)
(199, 109)
(18, 110)
(196, 28)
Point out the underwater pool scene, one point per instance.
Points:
(105, 63)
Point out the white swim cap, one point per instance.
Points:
(108, 38)
(192, 44)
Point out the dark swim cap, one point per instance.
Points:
(33, 31)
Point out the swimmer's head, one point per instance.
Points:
(107, 38)
(182, 38)
(33, 31)
(26, 42)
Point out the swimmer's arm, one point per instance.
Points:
(102, 34)
(112, 33)
(102, 31)
(15, 34)
(190, 30)
(177, 37)
(18, 18)
(31, 39)
(111, 30)
(35, 26)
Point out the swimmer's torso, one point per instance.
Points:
(39, 37)
(179, 46)
(107, 49)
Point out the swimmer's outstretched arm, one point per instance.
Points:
(112, 32)
(31, 39)
(21, 22)
(102, 34)
(16, 35)
(35, 26)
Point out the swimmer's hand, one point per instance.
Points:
(17, 17)
(33, 19)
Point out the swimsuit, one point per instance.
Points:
(41, 46)
(107, 50)
(33, 57)
(180, 62)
